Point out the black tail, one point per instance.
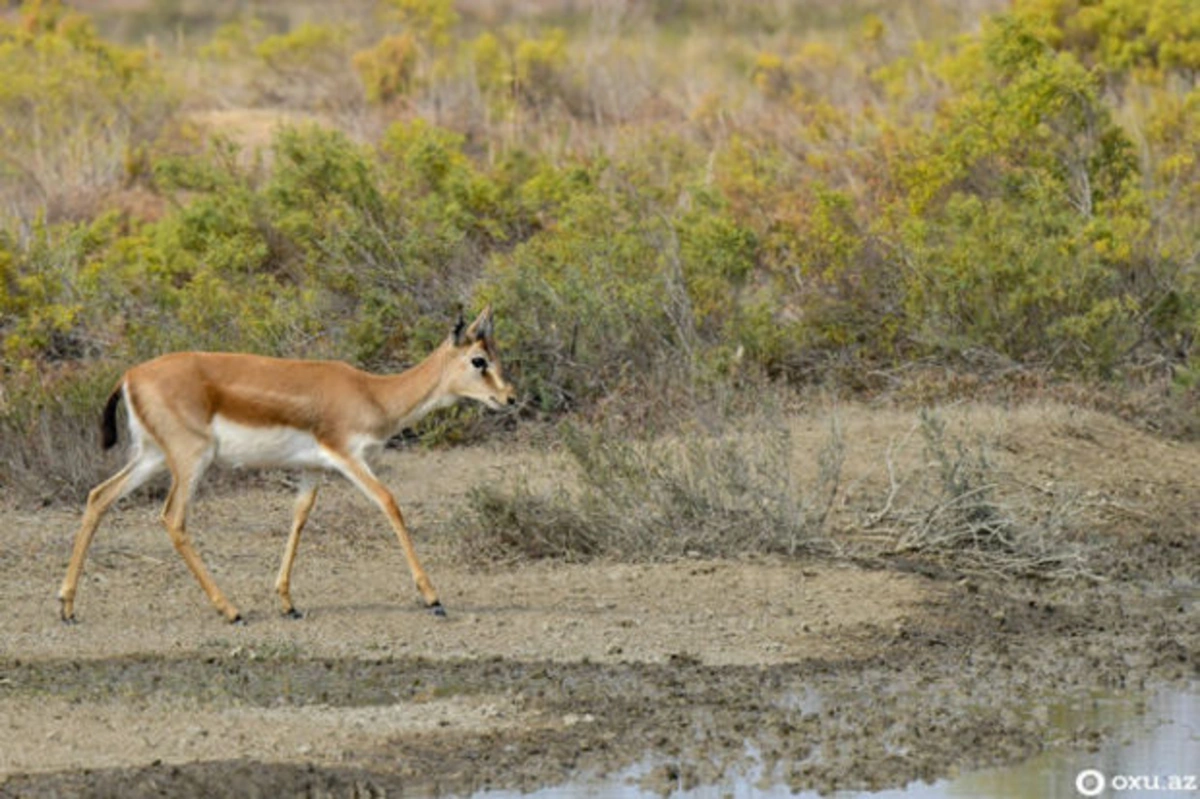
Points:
(108, 427)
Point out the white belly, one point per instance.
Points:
(242, 445)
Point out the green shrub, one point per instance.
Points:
(308, 67)
(46, 313)
(432, 21)
(583, 301)
(511, 66)
(307, 47)
(1004, 250)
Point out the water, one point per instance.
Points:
(1155, 739)
(1150, 744)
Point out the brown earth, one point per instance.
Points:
(855, 670)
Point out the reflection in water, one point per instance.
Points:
(1156, 735)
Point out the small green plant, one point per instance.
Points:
(513, 66)
(432, 21)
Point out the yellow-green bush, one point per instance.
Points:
(73, 108)
(583, 299)
(1029, 226)
(611, 284)
(309, 67)
(431, 21)
(388, 69)
(511, 65)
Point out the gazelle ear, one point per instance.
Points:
(481, 328)
(459, 336)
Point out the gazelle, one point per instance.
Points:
(189, 409)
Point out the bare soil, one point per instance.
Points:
(839, 672)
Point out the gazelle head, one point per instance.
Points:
(474, 370)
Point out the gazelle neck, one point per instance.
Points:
(409, 396)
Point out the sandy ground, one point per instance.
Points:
(580, 668)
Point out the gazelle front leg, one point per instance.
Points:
(360, 474)
(305, 500)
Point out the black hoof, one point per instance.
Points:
(67, 617)
(438, 610)
(238, 621)
(292, 613)
(70, 621)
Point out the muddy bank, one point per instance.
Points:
(965, 688)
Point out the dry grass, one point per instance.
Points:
(959, 508)
(52, 451)
(873, 485)
(703, 494)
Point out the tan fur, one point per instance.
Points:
(188, 409)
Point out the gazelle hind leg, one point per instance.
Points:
(305, 499)
(144, 465)
(185, 473)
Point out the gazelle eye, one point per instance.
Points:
(479, 363)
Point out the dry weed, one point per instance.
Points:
(709, 494)
(959, 508)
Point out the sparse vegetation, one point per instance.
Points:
(959, 508)
(736, 491)
(697, 495)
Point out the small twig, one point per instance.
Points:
(137, 556)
